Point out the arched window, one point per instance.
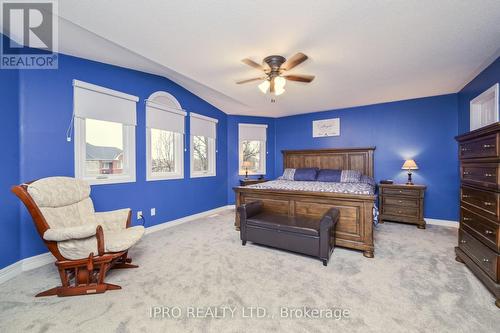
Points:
(165, 131)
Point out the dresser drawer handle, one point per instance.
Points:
(400, 201)
(489, 175)
(488, 203)
(465, 149)
(488, 146)
(465, 196)
(463, 241)
(467, 218)
(486, 260)
(488, 232)
(466, 173)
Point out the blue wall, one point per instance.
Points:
(37, 106)
(422, 129)
(487, 78)
(233, 152)
(45, 112)
(9, 173)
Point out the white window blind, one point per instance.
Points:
(203, 125)
(252, 132)
(165, 118)
(95, 102)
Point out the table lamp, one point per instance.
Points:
(246, 165)
(409, 165)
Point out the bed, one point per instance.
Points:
(355, 227)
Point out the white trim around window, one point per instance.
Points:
(128, 163)
(205, 130)
(111, 155)
(166, 120)
(253, 133)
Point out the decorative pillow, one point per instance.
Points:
(329, 175)
(288, 174)
(306, 174)
(350, 176)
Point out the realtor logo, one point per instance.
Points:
(29, 36)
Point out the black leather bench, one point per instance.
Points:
(314, 237)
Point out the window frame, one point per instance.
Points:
(178, 156)
(81, 156)
(262, 157)
(166, 102)
(263, 151)
(212, 157)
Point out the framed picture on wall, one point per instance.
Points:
(326, 127)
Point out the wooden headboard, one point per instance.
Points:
(336, 158)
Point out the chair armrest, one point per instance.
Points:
(113, 220)
(64, 234)
(250, 209)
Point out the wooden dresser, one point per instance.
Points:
(402, 203)
(479, 234)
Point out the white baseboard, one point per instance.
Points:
(444, 223)
(24, 265)
(185, 219)
(30, 263)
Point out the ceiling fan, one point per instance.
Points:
(274, 67)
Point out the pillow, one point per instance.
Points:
(329, 175)
(367, 180)
(350, 176)
(306, 174)
(288, 174)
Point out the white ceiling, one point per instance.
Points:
(362, 52)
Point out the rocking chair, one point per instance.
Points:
(85, 244)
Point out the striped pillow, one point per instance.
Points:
(350, 176)
(288, 174)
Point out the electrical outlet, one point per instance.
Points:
(153, 211)
(139, 215)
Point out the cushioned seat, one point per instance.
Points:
(301, 225)
(114, 241)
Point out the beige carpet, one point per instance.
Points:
(412, 285)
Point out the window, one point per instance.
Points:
(252, 149)
(484, 108)
(203, 142)
(164, 137)
(104, 134)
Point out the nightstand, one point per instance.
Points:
(245, 182)
(402, 203)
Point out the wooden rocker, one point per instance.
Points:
(86, 244)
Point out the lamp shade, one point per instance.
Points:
(409, 165)
(247, 164)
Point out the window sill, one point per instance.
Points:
(94, 181)
(201, 175)
(252, 173)
(170, 177)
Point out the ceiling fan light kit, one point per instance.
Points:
(274, 67)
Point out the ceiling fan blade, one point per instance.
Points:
(250, 80)
(252, 63)
(294, 61)
(299, 77)
(271, 87)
